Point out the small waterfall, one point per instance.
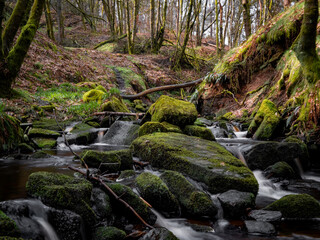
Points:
(101, 133)
(218, 206)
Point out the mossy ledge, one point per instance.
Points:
(204, 161)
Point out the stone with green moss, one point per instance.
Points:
(25, 148)
(49, 124)
(265, 121)
(151, 127)
(40, 154)
(197, 131)
(134, 200)
(114, 105)
(93, 124)
(63, 192)
(281, 170)
(8, 227)
(177, 112)
(156, 192)
(101, 88)
(82, 134)
(42, 133)
(108, 233)
(46, 143)
(159, 234)
(204, 161)
(11, 134)
(227, 116)
(126, 174)
(296, 206)
(192, 201)
(295, 139)
(111, 161)
(171, 128)
(93, 95)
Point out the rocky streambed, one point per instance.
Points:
(183, 177)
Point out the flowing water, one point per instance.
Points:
(14, 174)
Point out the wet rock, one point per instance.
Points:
(45, 143)
(159, 234)
(204, 161)
(114, 105)
(25, 148)
(156, 192)
(133, 199)
(259, 228)
(7, 226)
(108, 233)
(42, 133)
(151, 127)
(219, 132)
(40, 154)
(177, 112)
(121, 133)
(265, 121)
(307, 186)
(49, 124)
(63, 192)
(171, 128)
(280, 171)
(101, 203)
(110, 161)
(265, 154)
(126, 174)
(82, 134)
(203, 121)
(265, 216)
(235, 203)
(296, 206)
(202, 132)
(192, 201)
(67, 224)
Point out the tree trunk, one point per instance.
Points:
(246, 17)
(152, 21)
(60, 22)
(135, 22)
(49, 20)
(286, 3)
(130, 47)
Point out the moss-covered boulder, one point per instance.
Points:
(25, 148)
(7, 226)
(114, 105)
(281, 170)
(11, 134)
(177, 112)
(111, 161)
(43, 133)
(82, 134)
(193, 202)
(49, 124)
(204, 161)
(46, 143)
(156, 192)
(197, 131)
(171, 128)
(93, 95)
(108, 233)
(40, 154)
(296, 206)
(151, 127)
(63, 192)
(101, 88)
(265, 121)
(159, 234)
(126, 174)
(134, 200)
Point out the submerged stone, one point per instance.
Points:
(156, 192)
(265, 215)
(177, 112)
(202, 160)
(296, 206)
(192, 201)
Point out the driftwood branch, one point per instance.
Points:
(167, 87)
(111, 40)
(99, 180)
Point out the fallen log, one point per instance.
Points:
(99, 180)
(111, 40)
(118, 114)
(167, 87)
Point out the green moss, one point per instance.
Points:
(265, 121)
(46, 143)
(49, 124)
(202, 160)
(7, 226)
(151, 127)
(25, 148)
(48, 108)
(93, 95)
(63, 192)
(177, 112)
(202, 132)
(192, 201)
(11, 133)
(227, 116)
(171, 128)
(101, 88)
(156, 192)
(114, 105)
(281, 170)
(296, 206)
(43, 133)
(108, 233)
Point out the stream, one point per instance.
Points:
(14, 175)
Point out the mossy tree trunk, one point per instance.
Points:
(246, 17)
(12, 59)
(159, 36)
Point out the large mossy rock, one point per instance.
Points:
(151, 127)
(108, 233)
(93, 95)
(281, 170)
(296, 206)
(43, 133)
(264, 154)
(111, 161)
(114, 105)
(82, 134)
(192, 201)
(121, 133)
(197, 131)
(63, 192)
(203, 160)
(135, 202)
(265, 121)
(156, 192)
(11, 133)
(46, 143)
(7, 226)
(177, 112)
